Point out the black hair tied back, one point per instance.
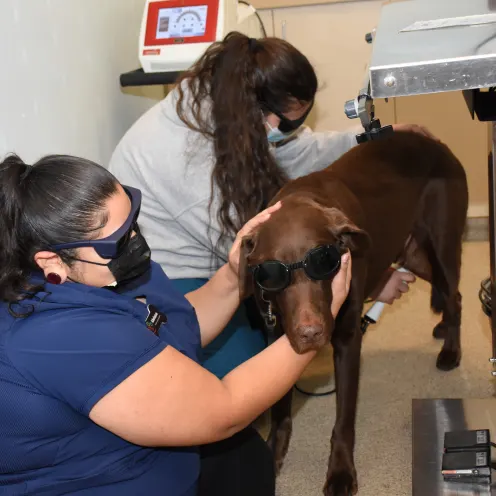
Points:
(27, 170)
(12, 173)
(59, 199)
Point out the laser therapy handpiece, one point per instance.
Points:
(375, 311)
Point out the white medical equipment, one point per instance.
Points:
(175, 33)
(375, 311)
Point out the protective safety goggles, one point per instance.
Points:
(287, 125)
(319, 264)
(113, 245)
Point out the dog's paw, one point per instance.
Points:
(342, 483)
(448, 359)
(440, 331)
(341, 474)
(278, 442)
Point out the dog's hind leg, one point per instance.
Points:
(419, 257)
(443, 222)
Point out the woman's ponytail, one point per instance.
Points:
(245, 173)
(12, 173)
(238, 77)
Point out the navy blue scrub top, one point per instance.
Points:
(56, 364)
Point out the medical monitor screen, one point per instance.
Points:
(182, 22)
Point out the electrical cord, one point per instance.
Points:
(308, 393)
(264, 32)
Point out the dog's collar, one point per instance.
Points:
(270, 319)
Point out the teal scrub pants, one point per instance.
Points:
(235, 344)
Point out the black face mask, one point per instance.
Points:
(133, 261)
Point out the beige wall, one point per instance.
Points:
(332, 37)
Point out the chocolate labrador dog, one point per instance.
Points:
(401, 199)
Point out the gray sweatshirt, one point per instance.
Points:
(172, 166)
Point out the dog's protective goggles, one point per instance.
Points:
(113, 245)
(319, 263)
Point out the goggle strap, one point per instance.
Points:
(87, 261)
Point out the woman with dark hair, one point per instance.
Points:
(214, 152)
(101, 392)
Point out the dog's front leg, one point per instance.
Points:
(347, 342)
(281, 429)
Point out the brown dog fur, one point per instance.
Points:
(400, 199)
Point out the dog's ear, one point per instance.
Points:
(346, 232)
(245, 276)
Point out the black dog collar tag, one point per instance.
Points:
(155, 319)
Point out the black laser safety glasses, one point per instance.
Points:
(113, 245)
(287, 125)
(319, 264)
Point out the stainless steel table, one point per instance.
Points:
(430, 420)
(433, 46)
(428, 58)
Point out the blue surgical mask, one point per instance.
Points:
(275, 135)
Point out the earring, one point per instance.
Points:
(53, 278)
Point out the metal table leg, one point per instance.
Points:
(492, 242)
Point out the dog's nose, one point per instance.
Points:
(310, 332)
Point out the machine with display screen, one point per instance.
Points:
(175, 33)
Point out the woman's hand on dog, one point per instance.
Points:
(415, 128)
(341, 284)
(246, 230)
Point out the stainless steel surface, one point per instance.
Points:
(430, 420)
(450, 22)
(390, 81)
(434, 60)
(351, 108)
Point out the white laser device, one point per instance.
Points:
(175, 33)
(375, 311)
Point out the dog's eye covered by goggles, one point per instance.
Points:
(113, 245)
(319, 264)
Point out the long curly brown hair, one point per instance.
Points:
(241, 76)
